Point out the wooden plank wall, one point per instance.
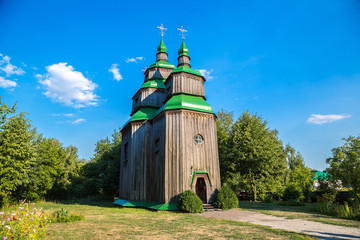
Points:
(184, 157)
(184, 82)
(148, 97)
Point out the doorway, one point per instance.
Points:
(201, 189)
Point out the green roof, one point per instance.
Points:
(151, 205)
(184, 101)
(144, 113)
(318, 175)
(163, 64)
(162, 47)
(156, 83)
(188, 70)
(183, 49)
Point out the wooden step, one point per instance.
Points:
(210, 207)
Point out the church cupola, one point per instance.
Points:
(183, 59)
(161, 54)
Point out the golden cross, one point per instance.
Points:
(162, 29)
(144, 69)
(182, 30)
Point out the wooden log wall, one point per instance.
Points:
(184, 157)
(184, 82)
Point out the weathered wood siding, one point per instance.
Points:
(148, 97)
(185, 83)
(157, 73)
(184, 157)
(125, 168)
(156, 166)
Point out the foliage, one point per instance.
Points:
(345, 164)
(339, 211)
(328, 190)
(293, 192)
(224, 123)
(226, 198)
(25, 221)
(101, 174)
(298, 175)
(31, 166)
(257, 154)
(17, 156)
(62, 216)
(190, 202)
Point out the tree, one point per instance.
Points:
(102, 172)
(258, 154)
(345, 164)
(298, 176)
(224, 124)
(17, 155)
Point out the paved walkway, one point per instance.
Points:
(315, 229)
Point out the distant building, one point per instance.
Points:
(169, 145)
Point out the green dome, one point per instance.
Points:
(183, 49)
(162, 47)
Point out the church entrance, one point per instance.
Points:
(201, 189)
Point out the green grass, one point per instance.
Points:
(295, 212)
(103, 220)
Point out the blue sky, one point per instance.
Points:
(295, 63)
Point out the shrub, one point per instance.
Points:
(226, 198)
(62, 216)
(340, 211)
(293, 192)
(190, 202)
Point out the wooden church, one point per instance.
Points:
(169, 145)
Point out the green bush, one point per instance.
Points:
(226, 198)
(190, 202)
(62, 216)
(293, 192)
(339, 211)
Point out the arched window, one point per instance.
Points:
(198, 139)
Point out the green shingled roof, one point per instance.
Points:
(162, 47)
(188, 70)
(144, 113)
(163, 64)
(184, 101)
(183, 49)
(156, 83)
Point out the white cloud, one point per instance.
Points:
(115, 70)
(321, 119)
(134, 60)
(4, 83)
(63, 114)
(78, 121)
(65, 85)
(8, 68)
(207, 74)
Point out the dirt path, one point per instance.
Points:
(315, 229)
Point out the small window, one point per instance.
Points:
(126, 151)
(198, 139)
(157, 145)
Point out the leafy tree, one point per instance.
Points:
(298, 176)
(102, 172)
(224, 124)
(16, 155)
(345, 164)
(257, 153)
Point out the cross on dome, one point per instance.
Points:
(162, 29)
(144, 69)
(182, 30)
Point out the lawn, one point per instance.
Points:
(103, 220)
(292, 212)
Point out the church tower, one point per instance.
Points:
(170, 143)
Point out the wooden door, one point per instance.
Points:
(201, 189)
